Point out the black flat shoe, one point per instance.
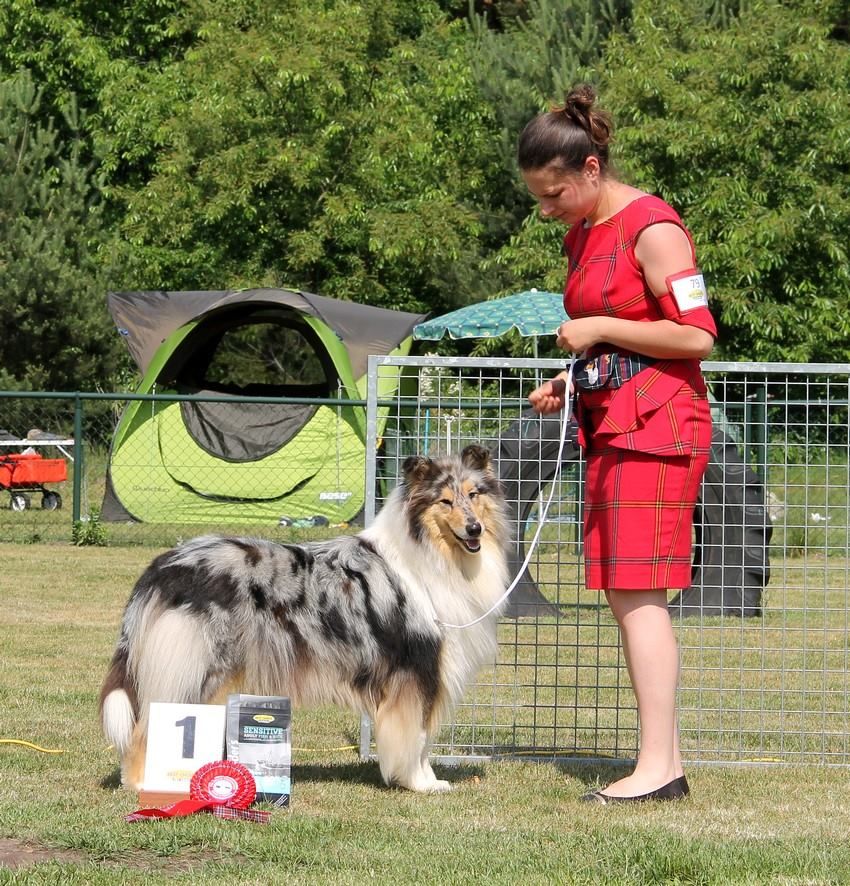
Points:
(673, 790)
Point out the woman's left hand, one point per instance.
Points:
(576, 336)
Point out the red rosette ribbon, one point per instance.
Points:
(224, 783)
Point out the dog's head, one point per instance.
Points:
(456, 502)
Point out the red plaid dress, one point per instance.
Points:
(647, 442)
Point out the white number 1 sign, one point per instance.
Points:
(181, 739)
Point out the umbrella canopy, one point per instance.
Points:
(531, 313)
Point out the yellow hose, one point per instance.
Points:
(29, 744)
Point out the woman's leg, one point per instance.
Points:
(652, 658)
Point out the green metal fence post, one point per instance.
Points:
(758, 436)
(78, 456)
(762, 420)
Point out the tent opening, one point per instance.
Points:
(260, 353)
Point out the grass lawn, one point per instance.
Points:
(512, 821)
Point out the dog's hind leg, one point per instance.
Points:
(133, 759)
(403, 743)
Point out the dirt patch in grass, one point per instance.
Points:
(15, 854)
(18, 854)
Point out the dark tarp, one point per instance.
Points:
(731, 521)
(526, 454)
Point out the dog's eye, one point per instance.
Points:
(473, 493)
(446, 501)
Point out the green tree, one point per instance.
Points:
(743, 128)
(343, 149)
(737, 114)
(76, 50)
(76, 47)
(51, 278)
(536, 57)
(530, 62)
(523, 65)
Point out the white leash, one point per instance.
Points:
(543, 512)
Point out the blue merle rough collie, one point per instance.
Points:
(358, 620)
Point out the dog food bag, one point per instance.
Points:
(259, 737)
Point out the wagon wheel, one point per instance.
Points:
(51, 501)
(20, 502)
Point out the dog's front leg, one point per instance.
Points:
(438, 785)
(403, 745)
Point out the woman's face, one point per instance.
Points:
(566, 196)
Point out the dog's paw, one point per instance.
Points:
(440, 787)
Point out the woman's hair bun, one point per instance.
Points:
(578, 108)
(567, 134)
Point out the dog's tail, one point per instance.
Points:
(163, 655)
(118, 703)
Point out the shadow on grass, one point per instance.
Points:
(368, 773)
(596, 774)
(112, 781)
(365, 772)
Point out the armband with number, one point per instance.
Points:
(686, 301)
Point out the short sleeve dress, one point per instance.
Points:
(647, 442)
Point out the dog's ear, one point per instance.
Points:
(417, 468)
(476, 457)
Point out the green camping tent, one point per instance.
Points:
(246, 462)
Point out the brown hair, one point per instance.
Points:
(568, 134)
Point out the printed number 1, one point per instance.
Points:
(188, 724)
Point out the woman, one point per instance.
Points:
(639, 320)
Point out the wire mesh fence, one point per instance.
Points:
(762, 630)
(160, 467)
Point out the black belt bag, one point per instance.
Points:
(608, 370)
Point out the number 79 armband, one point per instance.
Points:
(686, 300)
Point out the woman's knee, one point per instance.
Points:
(640, 606)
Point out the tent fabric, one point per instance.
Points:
(147, 319)
(239, 431)
(262, 479)
(215, 461)
(158, 474)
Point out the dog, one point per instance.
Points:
(360, 621)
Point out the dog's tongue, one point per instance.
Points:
(473, 545)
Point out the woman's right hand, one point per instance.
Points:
(551, 396)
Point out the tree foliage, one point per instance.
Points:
(744, 129)
(342, 149)
(536, 57)
(524, 67)
(74, 49)
(365, 150)
(51, 273)
(737, 114)
(530, 62)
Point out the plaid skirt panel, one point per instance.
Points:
(639, 507)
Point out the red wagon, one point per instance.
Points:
(23, 473)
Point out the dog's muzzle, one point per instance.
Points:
(472, 540)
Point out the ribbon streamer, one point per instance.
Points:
(190, 807)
